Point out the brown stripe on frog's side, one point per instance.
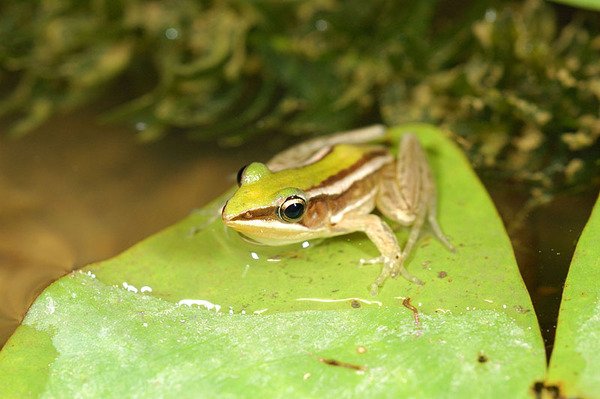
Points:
(322, 208)
(377, 155)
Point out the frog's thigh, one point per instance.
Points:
(390, 200)
(416, 192)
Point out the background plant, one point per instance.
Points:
(517, 84)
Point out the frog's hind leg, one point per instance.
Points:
(407, 194)
(435, 226)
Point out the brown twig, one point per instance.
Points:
(337, 363)
(406, 303)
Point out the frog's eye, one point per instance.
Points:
(240, 174)
(292, 209)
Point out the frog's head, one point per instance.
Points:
(265, 208)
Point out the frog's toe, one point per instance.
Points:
(374, 290)
(404, 273)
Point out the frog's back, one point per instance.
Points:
(335, 163)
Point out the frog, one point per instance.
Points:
(331, 186)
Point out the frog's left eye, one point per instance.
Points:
(292, 209)
(240, 174)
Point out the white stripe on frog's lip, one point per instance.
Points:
(243, 225)
(346, 182)
(273, 232)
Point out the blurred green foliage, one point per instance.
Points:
(518, 84)
(590, 4)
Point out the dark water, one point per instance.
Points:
(75, 192)
(543, 243)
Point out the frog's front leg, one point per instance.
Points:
(385, 240)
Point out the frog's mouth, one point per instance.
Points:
(250, 239)
(271, 232)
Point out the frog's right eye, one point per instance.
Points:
(240, 174)
(292, 209)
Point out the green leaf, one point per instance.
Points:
(575, 360)
(290, 321)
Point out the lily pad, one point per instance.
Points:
(575, 360)
(196, 311)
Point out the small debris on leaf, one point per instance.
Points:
(337, 363)
(406, 303)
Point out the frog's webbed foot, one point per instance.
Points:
(392, 267)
